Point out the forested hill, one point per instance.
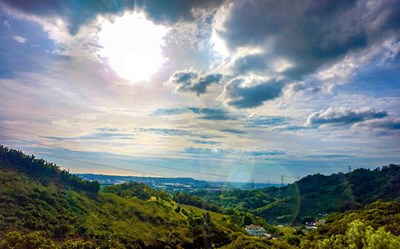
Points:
(42, 206)
(312, 196)
(43, 171)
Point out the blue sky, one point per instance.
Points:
(215, 90)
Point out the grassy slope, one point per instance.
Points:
(62, 213)
(37, 211)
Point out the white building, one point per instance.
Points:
(255, 230)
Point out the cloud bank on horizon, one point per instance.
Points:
(266, 87)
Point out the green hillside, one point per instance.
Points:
(375, 226)
(42, 206)
(312, 196)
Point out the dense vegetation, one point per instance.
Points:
(42, 206)
(40, 209)
(312, 196)
(43, 171)
(375, 226)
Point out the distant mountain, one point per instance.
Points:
(312, 196)
(179, 184)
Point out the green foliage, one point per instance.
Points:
(358, 236)
(43, 171)
(184, 198)
(16, 240)
(42, 207)
(312, 196)
(130, 215)
(135, 189)
(251, 242)
(375, 226)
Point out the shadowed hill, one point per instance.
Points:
(43, 171)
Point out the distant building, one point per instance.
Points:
(313, 224)
(255, 230)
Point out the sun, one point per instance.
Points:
(133, 46)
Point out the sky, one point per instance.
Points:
(219, 90)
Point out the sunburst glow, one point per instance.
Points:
(133, 46)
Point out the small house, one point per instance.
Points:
(255, 230)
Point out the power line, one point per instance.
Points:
(120, 159)
(119, 168)
(107, 166)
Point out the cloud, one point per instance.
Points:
(338, 116)
(266, 153)
(176, 10)
(388, 124)
(170, 111)
(250, 63)
(212, 113)
(7, 24)
(204, 113)
(305, 35)
(240, 93)
(250, 153)
(193, 81)
(234, 131)
(265, 121)
(101, 134)
(198, 141)
(295, 128)
(19, 39)
(166, 131)
(171, 132)
(77, 13)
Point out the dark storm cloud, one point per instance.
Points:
(77, 12)
(333, 116)
(193, 81)
(250, 63)
(176, 10)
(307, 33)
(238, 95)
